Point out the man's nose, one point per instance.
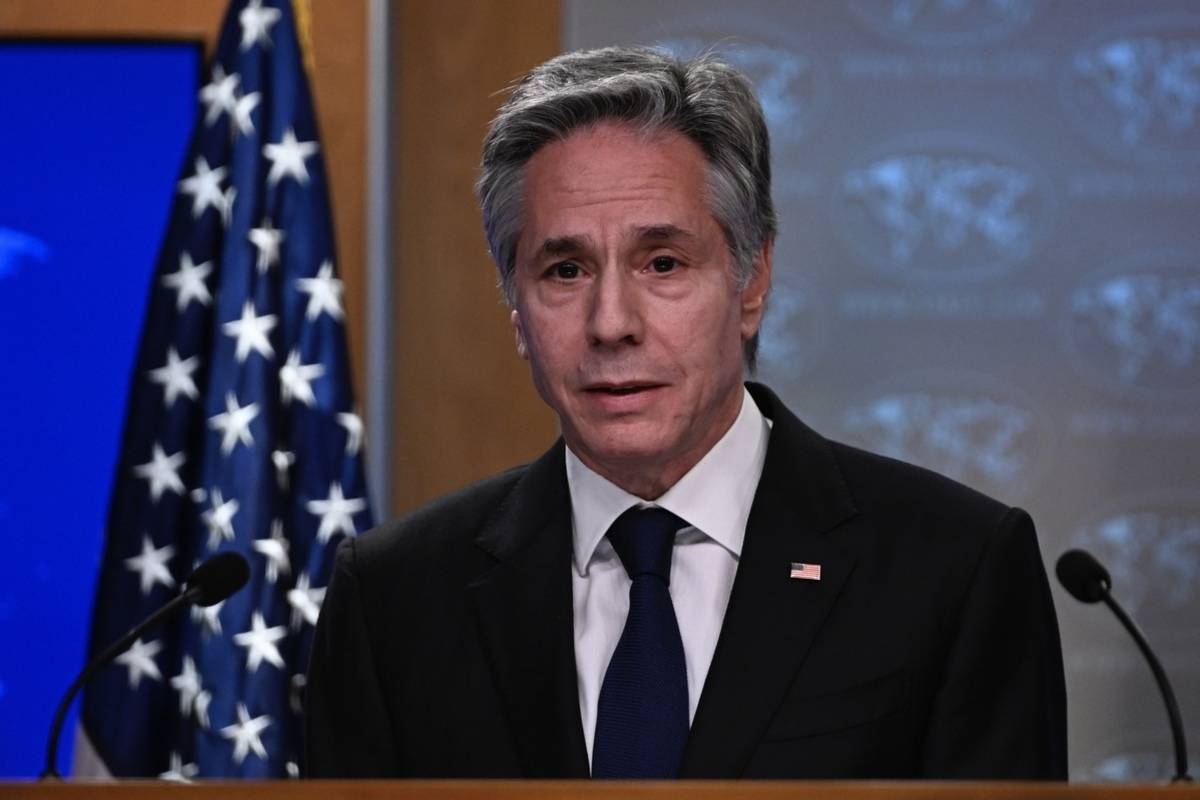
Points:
(614, 316)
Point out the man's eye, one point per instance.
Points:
(567, 270)
(663, 264)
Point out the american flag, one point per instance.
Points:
(805, 572)
(241, 434)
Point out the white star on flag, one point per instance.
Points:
(287, 158)
(336, 512)
(187, 683)
(139, 660)
(276, 551)
(267, 239)
(324, 292)
(209, 616)
(162, 471)
(219, 95)
(234, 423)
(283, 460)
(179, 772)
(305, 602)
(241, 112)
(151, 565)
(256, 24)
(251, 333)
(205, 187)
(188, 281)
(354, 431)
(260, 641)
(176, 377)
(245, 734)
(219, 519)
(296, 379)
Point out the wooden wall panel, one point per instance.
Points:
(463, 404)
(340, 55)
(339, 43)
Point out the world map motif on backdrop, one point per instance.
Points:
(943, 23)
(1134, 327)
(792, 83)
(19, 250)
(795, 329)
(970, 427)
(1134, 91)
(1142, 756)
(1150, 544)
(943, 208)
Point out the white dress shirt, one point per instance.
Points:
(715, 498)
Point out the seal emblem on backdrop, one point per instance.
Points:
(970, 427)
(943, 23)
(1134, 328)
(1134, 91)
(942, 208)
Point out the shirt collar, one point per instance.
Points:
(714, 496)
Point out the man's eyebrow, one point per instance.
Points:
(563, 245)
(662, 232)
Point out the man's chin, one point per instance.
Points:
(624, 447)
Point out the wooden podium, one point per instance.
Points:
(592, 790)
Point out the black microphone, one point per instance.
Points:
(209, 583)
(1089, 582)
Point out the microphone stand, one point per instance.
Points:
(50, 771)
(1164, 686)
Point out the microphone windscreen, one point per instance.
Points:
(219, 577)
(1083, 576)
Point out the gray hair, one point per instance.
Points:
(704, 99)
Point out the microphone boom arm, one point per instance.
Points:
(50, 770)
(1164, 686)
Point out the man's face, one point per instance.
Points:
(627, 306)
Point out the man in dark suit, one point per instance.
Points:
(691, 582)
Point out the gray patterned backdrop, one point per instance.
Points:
(988, 264)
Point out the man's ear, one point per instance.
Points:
(754, 296)
(515, 319)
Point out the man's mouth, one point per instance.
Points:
(619, 389)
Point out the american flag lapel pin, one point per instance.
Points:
(805, 572)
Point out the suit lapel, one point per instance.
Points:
(526, 621)
(772, 619)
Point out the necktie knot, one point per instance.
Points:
(644, 539)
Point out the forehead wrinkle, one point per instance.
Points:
(574, 243)
(662, 232)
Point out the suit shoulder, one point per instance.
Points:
(882, 483)
(888, 490)
(446, 524)
(940, 525)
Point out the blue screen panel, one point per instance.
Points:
(90, 148)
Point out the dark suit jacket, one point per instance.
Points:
(928, 649)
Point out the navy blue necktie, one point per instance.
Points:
(642, 715)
